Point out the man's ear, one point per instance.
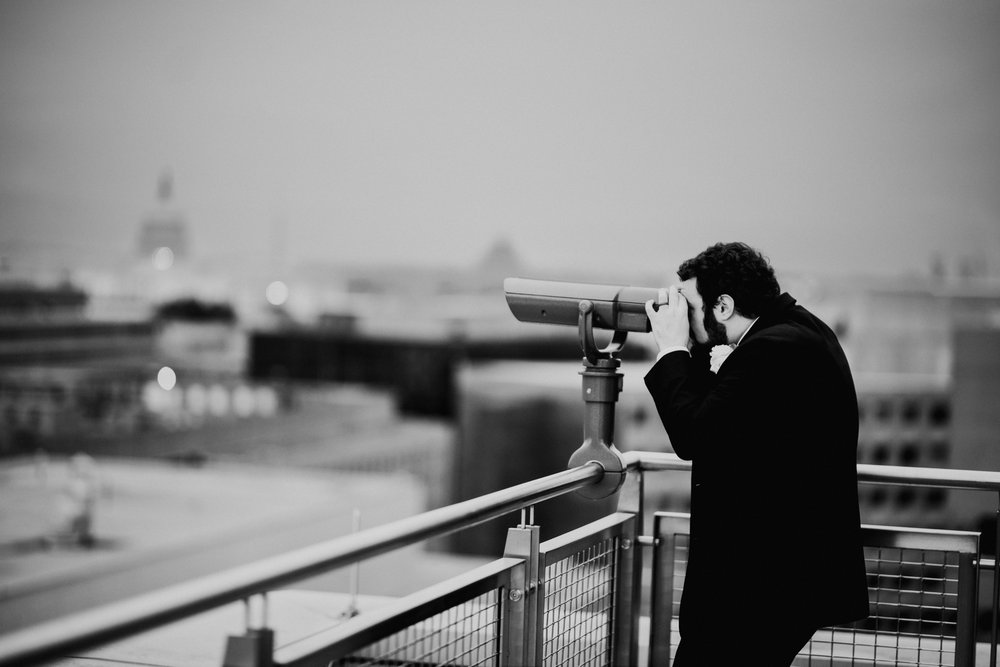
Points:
(725, 308)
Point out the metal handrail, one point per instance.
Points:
(975, 480)
(56, 638)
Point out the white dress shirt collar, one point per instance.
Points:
(747, 331)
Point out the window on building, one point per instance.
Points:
(939, 451)
(934, 499)
(905, 498)
(940, 413)
(880, 454)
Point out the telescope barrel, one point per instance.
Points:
(616, 307)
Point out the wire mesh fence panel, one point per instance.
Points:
(467, 635)
(913, 614)
(680, 547)
(669, 567)
(578, 617)
(922, 600)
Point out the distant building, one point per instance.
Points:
(976, 418)
(903, 325)
(905, 420)
(200, 338)
(40, 404)
(62, 374)
(925, 355)
(23, 303)
(65, 378)
(42, 325)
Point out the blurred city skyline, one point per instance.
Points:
(838, 137)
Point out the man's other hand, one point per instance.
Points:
(668, 318)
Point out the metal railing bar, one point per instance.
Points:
(605, 528)
(982, 480)
(897, 537)
(59, 637)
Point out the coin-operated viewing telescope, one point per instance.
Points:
(551, 302)
(589, 306)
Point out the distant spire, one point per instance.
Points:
(163, 233)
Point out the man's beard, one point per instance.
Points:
(715, 331)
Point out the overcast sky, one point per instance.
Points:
(839, 135)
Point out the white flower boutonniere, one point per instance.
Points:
(718, 355)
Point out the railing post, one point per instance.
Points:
(628, 594)
(668, 527)
(968, 607)
(628, 597)
(512, 637)
(255, 647)
(995, 629)
(525, 599)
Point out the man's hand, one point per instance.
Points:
(669, 324)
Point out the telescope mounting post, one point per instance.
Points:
(601, 385)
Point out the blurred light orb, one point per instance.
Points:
(218, 400)
(267, 401)
(154, 398)
(197, 399)
(163, 258)
(166, 378)
(276, 293)
(243, 403)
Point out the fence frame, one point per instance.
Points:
(669, 526)
(620, 526)
(79, 632)
(502, 575)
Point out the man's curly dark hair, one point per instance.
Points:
(735, 269)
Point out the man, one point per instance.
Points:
(771, 430)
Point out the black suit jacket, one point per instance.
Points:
(775, 527)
